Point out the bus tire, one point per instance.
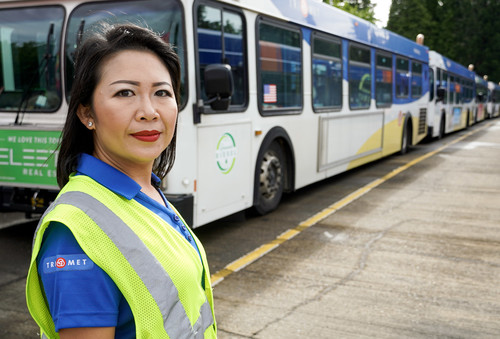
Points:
(406, 138)
(441, 128)
(271, 179)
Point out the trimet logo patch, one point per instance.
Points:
(226, 153)
(60, 262)
(69, 262)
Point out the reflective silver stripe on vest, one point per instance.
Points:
(145, 264)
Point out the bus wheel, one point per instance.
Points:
(441, 128)
(406, 139)
(271, 179)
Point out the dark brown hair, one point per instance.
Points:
(76, 138)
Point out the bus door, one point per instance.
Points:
(225, 171)
(441, 103)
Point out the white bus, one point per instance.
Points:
(317, 92)
(451, 99)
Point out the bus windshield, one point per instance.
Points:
(30, 75)
(163, 17)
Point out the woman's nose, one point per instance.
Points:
(147, 111)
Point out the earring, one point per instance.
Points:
(90, 123)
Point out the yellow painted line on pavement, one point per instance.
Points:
(259, 252)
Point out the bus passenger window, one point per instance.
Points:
(280, 66)
(402, 78)
(327, 74)
(383, 80)
(416, 80)
(359, 77)
(444, 84)
(221, 39)
(459, 89)
(452, 85)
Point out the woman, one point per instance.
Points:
(111, 258)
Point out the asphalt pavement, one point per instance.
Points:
(414, 255)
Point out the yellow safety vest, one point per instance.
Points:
(159, 273)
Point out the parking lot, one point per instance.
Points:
(407, 247)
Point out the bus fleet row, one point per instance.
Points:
(276, 95)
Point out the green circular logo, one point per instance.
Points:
(226, 153)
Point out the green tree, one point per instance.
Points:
(467, 31)
(409, 18)
(360, 8)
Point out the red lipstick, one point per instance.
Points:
(147, 136)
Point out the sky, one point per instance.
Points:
(382, 11)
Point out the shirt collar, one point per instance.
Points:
(110, 177)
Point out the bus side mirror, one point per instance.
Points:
(440, 94)
(218, 86)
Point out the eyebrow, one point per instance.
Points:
(136, 83)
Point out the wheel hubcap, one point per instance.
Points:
(270, 175)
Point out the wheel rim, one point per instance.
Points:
(271, 175)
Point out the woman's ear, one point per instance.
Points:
(85, 116)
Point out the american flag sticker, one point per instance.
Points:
(270, 94)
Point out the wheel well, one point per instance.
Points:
(409, 121)
(279, 135)
(290, 161)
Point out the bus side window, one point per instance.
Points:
(444, 84)
(221, 40)
(383, 80)
(402, 78)
(280, 68)
(359, 77)
(327, 74)
(451, 96)
(416, 80)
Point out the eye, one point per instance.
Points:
(163, 93)
(124, 93)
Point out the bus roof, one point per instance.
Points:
(319, 16)
(439, 60)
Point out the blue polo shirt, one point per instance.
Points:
(81, 294)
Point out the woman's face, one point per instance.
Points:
(133, 111)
